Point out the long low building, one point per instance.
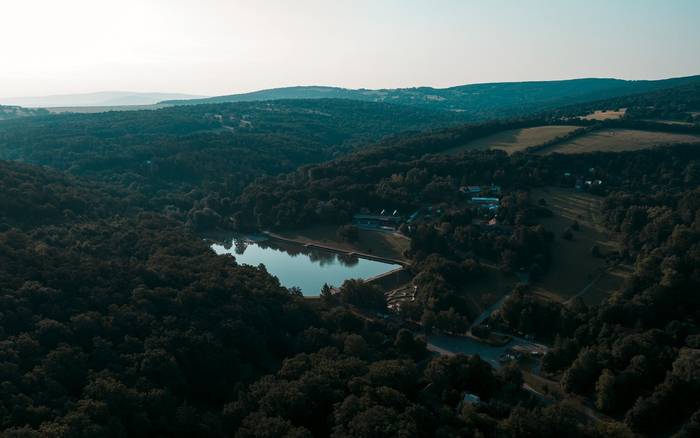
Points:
(377, 221)
(482, 200)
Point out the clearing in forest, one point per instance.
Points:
(377, 243)
(574, 271)
(619, 140)
(515, 140)
(605, 114)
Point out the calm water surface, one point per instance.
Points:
(296, 265)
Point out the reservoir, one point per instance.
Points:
(295, 265)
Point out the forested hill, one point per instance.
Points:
(119, 323)
(474, 102)
(13, 112)
(677, 103)
(215, 149)
(194, 140)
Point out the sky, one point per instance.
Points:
(214, 47)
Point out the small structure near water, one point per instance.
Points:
(377, 221)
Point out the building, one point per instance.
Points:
(470, 190)
(485, 201)
(377, 221)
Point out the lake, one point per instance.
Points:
(299, 266)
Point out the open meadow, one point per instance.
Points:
(377, 243)
(574, 270)
(619, 140)
(515, 140)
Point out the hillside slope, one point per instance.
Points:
(476, 101)
(165, 154)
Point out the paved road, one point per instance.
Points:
(451, 345)
(489, 310)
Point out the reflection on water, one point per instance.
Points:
(241, 245)
(300, 266)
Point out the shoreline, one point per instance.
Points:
(401, 262)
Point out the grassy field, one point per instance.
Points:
(605, 114)
(574, 271)
(378, 243)
(618, 140)
(669, 122)
(515, 140)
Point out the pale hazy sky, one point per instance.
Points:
(223, 46)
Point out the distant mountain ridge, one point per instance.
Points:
(478, 101)
(103, 98)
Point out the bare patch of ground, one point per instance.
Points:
(605, 114)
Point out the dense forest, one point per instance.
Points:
(186, 159)
(679, 103)
(116, 319)
(118, 322)
(13, 112)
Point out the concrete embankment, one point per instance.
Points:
(331, 248)
(391, 280)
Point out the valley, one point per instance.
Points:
(530, 266)
(366, 219)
